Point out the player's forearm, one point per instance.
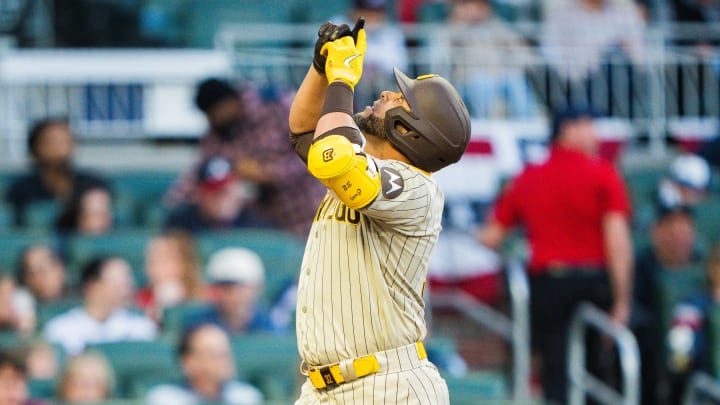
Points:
(337, 108)
(619, 256)
(307, 104)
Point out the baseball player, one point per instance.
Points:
(360, 312)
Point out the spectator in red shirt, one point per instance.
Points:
(575, 212)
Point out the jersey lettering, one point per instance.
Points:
(341, 213)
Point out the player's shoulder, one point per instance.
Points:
(397, 177)
(405, 170)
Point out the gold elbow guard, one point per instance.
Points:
(334, 161)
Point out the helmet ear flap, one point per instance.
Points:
(401, 132)
(393, 119)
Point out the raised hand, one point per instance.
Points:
(329, 32)
(345, 58)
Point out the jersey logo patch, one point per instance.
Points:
(392, 183)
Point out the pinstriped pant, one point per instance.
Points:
(419, 385)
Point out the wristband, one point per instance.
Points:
(338, 98)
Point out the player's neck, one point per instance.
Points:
(382, 149)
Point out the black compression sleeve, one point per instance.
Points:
(338, 98)
(352, 134)
(301, 143)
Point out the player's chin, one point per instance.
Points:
(362, 116)
(368, 111)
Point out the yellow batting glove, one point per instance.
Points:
(345, 59)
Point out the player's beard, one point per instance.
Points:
(371, 125)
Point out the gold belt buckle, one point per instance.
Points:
(331, 376)
(326, 377)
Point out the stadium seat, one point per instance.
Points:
(642, 184)
(125, 212)
(714, 341)
(138, 191)
(175, 318)
(134, 360)
(6, 217)
(143, 185)
(42, 215)
(433, 12)
(205, 17)
(280, 252)
(129, 244)
(319, 11)
(46, 312)
(153, 216)
(6, 177)
(13, 242)
(707, 218)
(10, 340)
(42, 389)
(269, 362)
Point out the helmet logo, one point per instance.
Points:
(391, 181)
(328, 154)
(428, 76)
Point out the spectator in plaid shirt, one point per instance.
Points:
(252, 134)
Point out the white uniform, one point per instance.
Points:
(361, 286)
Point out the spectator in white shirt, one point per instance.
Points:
(207, 364)
(107, 288)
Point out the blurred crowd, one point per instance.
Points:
(511, 59)
(60, 304)
(56, 308)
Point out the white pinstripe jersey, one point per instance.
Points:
(363, 272)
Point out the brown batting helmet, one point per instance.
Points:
(437, 127)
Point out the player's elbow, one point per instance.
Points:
(340, 165)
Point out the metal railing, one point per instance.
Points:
(581, 382)
(701, 385)
(659, 92)
(514, 329)
(671, 83)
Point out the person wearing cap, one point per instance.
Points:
(237, 277)
(673, 248)
(251, 133)
(360, 318)
(221, 203)
(690, 340)
(687, 180)
(575, 212)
